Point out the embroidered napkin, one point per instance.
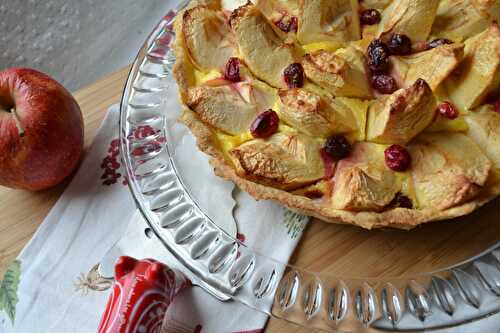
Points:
(55, 284)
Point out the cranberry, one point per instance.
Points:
(448, 110)
(265, 125)
(385, 84)
(369, 17)
(496, 105)
(397, 158)
(337, 147)
(401, 200)
(399, 44)
(287, 23)
(378, 56)
(314, 194)
(232, 70)
(438, 42)
(294, 75)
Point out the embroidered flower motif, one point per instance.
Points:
(295, 223)
(93, 280)
(111, 165)
(8, 290)
(241, 237)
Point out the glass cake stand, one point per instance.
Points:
(442, 275)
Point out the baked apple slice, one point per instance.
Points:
(397, 118)
(343, 72)
(285, 160)
(448, 169)
(379, 5)
(224, 107)
(314, 115)
(484, 129)
(362, 181)
(458, 20)
(276, 8)
(261, 46)
(413, 18)
(479, 72)
(433, 65)
(207, 37)
(488, 8)
(328, 20)
(283, 13)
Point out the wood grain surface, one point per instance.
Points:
(327, 248)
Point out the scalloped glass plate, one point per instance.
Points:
(341, 278)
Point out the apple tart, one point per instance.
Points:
(375, 113)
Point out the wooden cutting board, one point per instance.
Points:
(335, 249)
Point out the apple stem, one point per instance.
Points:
(20, 127)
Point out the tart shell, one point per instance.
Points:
(208, 143)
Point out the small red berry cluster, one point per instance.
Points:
(241, 237)
(287, 23)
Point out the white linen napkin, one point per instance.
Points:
(52, 288)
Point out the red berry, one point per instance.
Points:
(232, 70)
(369, 17)
(496, 105)
(378, 56)
(265, 125)
(287, 23)
(337, 147)
(294, 76)
(314, 194)
(399, 44)
(448, 110)
(437, 42)
(397, 158)
(384, 84)
(401, 200)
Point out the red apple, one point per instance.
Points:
(41, 130)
